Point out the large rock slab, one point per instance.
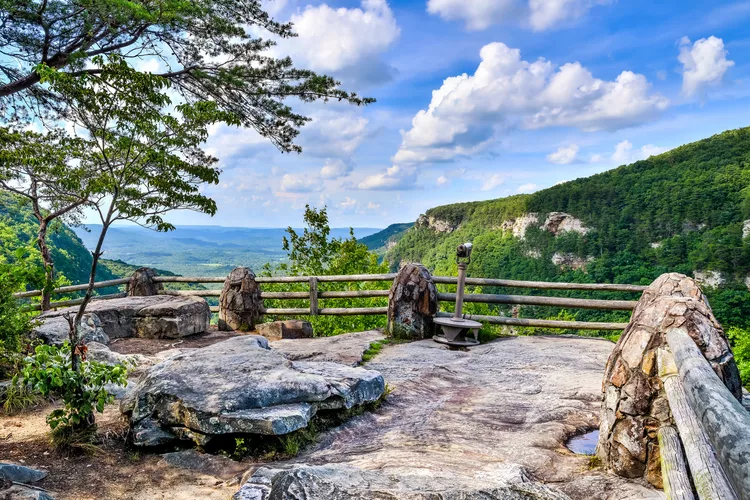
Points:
(347, 349)
(20, 473)
(465, 415)
(55, 330)
(239, 386)
(161, 316)
(340, 482)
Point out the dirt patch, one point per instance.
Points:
(116, 471)
(154, 346)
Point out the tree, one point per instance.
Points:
(311, 252)
(41, 169)
(148, 160)
(203, 44)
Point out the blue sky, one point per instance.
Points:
(480, 99)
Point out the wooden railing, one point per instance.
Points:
(314, 295)
(713, 427)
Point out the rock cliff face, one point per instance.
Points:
(710, 279)
(559, 222)
(518, 226)
(570, 261)
(437, 225)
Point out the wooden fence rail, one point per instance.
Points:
(314, 295)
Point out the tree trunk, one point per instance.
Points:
(49, 265)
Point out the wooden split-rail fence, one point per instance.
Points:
(314, 296)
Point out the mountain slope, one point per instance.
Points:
(18, 229)
(381, 241)
(680, 211)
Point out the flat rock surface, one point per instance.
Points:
(159, 316)
(346, 349)
(465, 415)
(239, 386)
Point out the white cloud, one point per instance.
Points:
(343, 40)
(348, 203)
(333, 169)
(492, 182)
(442, 180)
(394, 178)
(624, 152)
(539, 15)
(564, 155)
(527, 188)
(703, 64)
(225, 141)
(505, 91)
(333, 133)
(299, 183)
(273, 7)
(373, 206)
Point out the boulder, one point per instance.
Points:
(55, 330)
(160, 316)
(20, 474)
(634, 403)
(142, 283)
(412, 303)
(342, 482)
(289, 329)
(20, 492)
(239, 386)
(240, 305)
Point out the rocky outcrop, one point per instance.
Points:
(346, 349)
(710, 279)
(142, 283)
(457, 422)
(412, 303)
(14, 480)
(437, 225)
(634, 403)
(239, 386)
(289, 329)
(55, 330)
(519, 225)
(160, 316)
(559, 222)
(745, 229)
(571, 261)
(240, 304)
(341, 482)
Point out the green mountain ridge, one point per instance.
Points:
(382, 241)
(682, 211)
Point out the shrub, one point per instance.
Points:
(49, 372)
(740, 339)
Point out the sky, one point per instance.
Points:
(481, 99)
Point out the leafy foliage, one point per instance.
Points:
(204, 46)
(83, 391)
(314, 253)
(740, 339)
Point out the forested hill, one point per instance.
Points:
(680, 211)
(18, 229)
(387, 238)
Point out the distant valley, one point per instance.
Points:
(198, 250)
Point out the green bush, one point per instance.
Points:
(49, 372)
(740, 339)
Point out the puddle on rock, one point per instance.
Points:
(584, 444)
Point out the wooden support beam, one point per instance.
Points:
(541, 323)
(485, 298)
(313, 296)
(724, 420)
(709, 478)
(674, 469)
(541, 285)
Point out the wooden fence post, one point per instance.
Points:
(314, 310)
